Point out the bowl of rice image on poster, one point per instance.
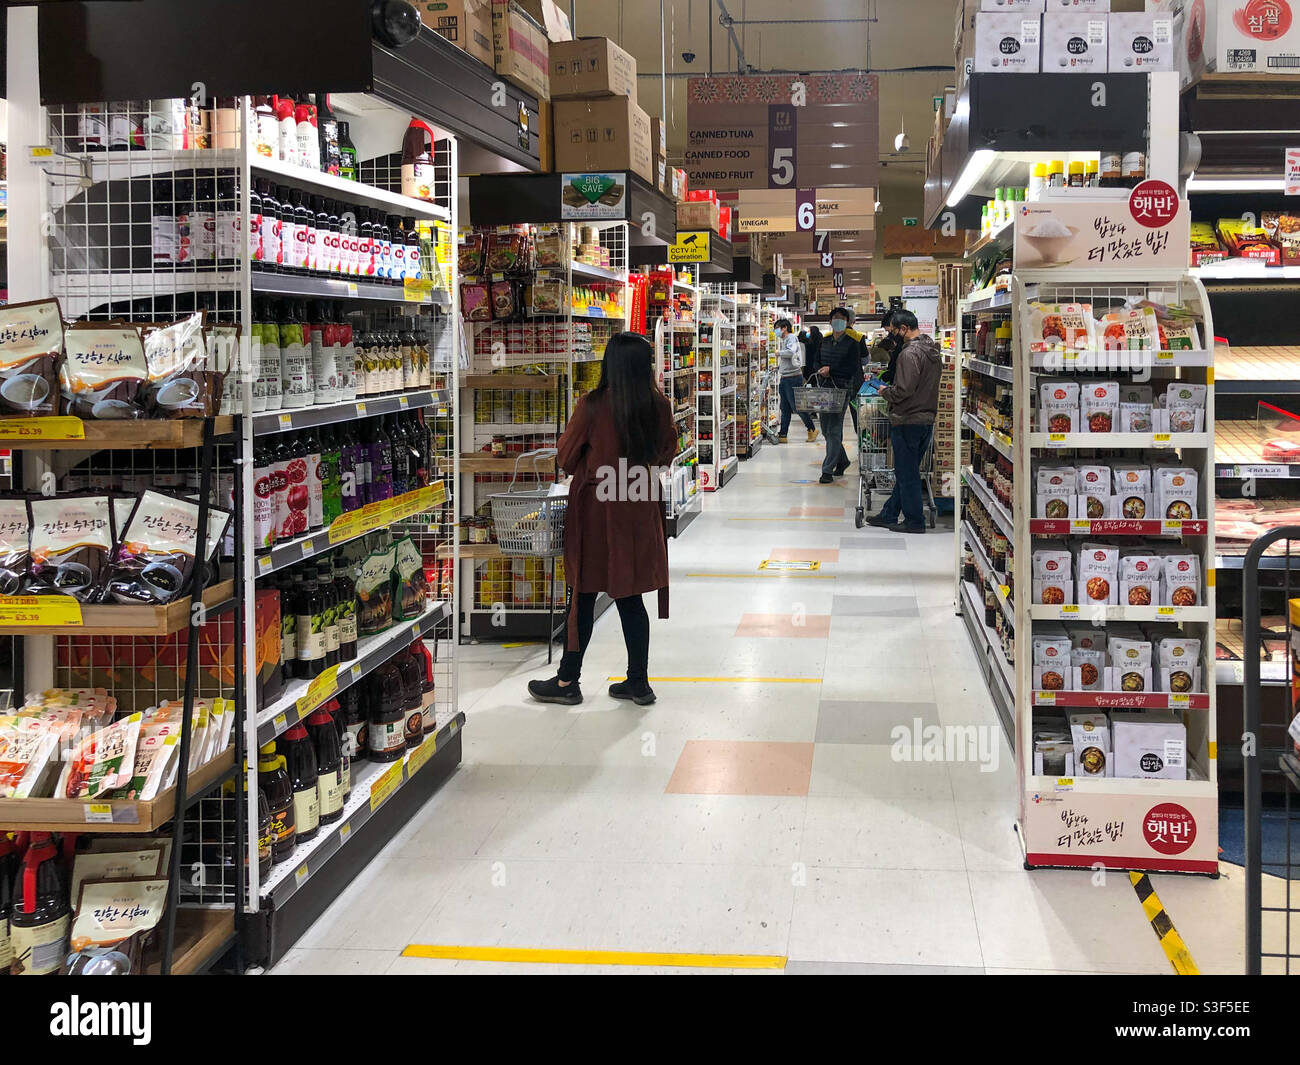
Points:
(1148, 230)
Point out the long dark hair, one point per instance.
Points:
(627, 384)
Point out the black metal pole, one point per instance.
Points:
(241, 709)
(191, 683)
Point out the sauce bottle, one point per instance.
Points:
(303, 221)
(414, 267)
(347, 154)
(307, 132)
(288, 626)
(315, 488)
(270, 218)
(401, 456)
(286, 119)
(356, 723)
(417, 161)
(336, 716)
(350, 475)
(266, 129)
(347, 357)
(412, 690)
(331, 498)
(264, 838)
(38, 910)
(428, 690)
(256, 248)
(328, 124)
(329, 609)
(311, 630)
(346, 591)
(380, 448)
(398, 247)
(329, 765)
(273, 781)
(387, 715)
(9, 863)
(300, 760)
(264, 525)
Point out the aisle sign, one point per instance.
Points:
(1150, 230)
(593, 197)
(691, 246)
(1291, 180)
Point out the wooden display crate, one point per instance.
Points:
(118, 619)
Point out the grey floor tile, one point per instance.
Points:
(836, 968)
(882, 606)
(851, 721)
(882, 541)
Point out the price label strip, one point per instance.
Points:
(21, 430)
(40, 610)
(383, 788)
(420, 755)
(319, 690)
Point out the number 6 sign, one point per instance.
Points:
(805, 210)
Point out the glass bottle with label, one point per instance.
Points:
(266, 130)
(297, 382)
(39, 913)
(9, 862)
(412, 704)
(273, 780)
(417, 161)
(300, 761)
(311, 629)
(1133, 169)
(1110, 171)
(331, 499)
(347, 154)
(356, 723)
(330, 609)
(346, 592)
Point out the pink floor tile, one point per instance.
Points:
(805, 554)
(816, 512)
(742, 767)
(808, 627)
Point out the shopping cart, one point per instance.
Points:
(530, 522)
(875, 459)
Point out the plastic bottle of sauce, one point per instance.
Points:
(328, 123)
(347, 610)
(300, 759)
(1037, 180)
(38, 911)
(329, 765)
(387, 715)
(273, 780)
(347, 154)
(266, 129)
(286, 118)
(414, 268)
(9, 863)
(417, 161)
(428, 691)
(308, 133)
(412, 688)
(356, 723)
(1076, 175)
(1056, 174)
(311, 630)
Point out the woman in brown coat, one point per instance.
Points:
(620, 437)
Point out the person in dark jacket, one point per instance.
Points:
(619, 439)
(839, 363)
(887, 348)
(812, 342)
(913, 400)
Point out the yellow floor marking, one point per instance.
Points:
(525, 643)
(596, 957)
(729, 680)
(764, 576)
(1163, 926)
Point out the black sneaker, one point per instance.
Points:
(641, 694)
(826, 478)
(911, 528)
(881, 523)
(840, 471)
(549, 691)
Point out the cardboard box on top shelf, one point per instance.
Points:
(546, 135)
(1074, 42)
(662, 182)
(1008, 43)
(551, 17)
(680, 184)
(659, 138)
(592, 66)
(521, 48)
(1079, 5)
(698, 214)
(608, 133)
(1013, 5)
(1238, 36)
(466, 23)
(1140, 41)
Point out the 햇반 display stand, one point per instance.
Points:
(717, 387)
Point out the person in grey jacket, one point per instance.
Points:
(913, 400)
(791, 357)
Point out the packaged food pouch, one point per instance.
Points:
(1053, 583)
(1182, 580)
(1061, 327)
(1179, 335)
(1088, 637)
(1180, 664)
(1051, 663)
(1184, 418)
(374, 586)
(153, 561)
(469, 253)
(15, 546)
(145, 860)
(1099, 406)
(1130, 664)
(71, 540)
(1176, 492)
(1139, 579)
(1055, 491)
(475, 306)
(1058, 407)
(1133, 329)
(1093, 483)
(1135, 418)
(118, 915)
(1185, 393)
(1090, 733)
(1131, 393)
(103, 761)
(31, 353)
(104, 372)
(1089, 666)
(1097, 574)
(25, 752)
(1132, 486)
(180, 384)
(410, 589)
(503, 300)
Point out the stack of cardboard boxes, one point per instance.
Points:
(945, 430)
(513, 37)
(1087, 37)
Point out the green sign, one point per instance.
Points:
(593, 197)
(909, 221)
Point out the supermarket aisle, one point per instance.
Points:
(760, 807)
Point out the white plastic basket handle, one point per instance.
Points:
(536, 456)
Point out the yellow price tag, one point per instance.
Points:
(361, 410)
(345, 527)
(352, 288)
(1161, 439)
(1069, 611)
(99, 813)
(42, 151)
(1173, 525)
(39, 610)
(417, 289)
(420, 755)
(1178, 702)
(300, 874)
(1164, 356)
(345, 830)
(1056, 438)
(320, 689)
(286, 421)
(383, 788)
(307, 548)
(404, 402)
(1081, 525)
(1005, 589)
(280, 721)
(20, 430)
(1165, 611)
(1045, 698)
(264, 563)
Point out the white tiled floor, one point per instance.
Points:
(557, 831)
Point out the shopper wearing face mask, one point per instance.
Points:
(913, 400)
(839, 363)
(790, 361)
(887, 348)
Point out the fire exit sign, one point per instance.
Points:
(909, 221)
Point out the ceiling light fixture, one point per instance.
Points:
(1234, 184)
(974, 169)
(901, 143)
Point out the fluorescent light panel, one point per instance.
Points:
(1234, 184)
(971, 173)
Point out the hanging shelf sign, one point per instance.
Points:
(1151, 230)
(598, 197)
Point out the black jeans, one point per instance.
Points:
(636, 635)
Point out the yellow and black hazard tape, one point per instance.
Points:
(1163, 926)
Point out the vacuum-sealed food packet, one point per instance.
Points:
(104, 373)
(31, 353)
(71, 538)
(153, 561)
